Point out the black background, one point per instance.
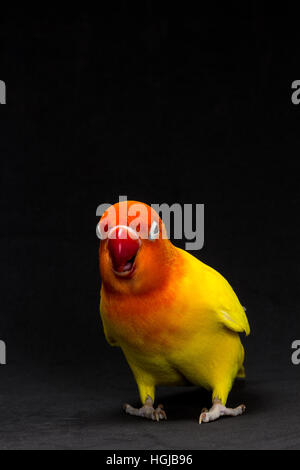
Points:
(162, 104)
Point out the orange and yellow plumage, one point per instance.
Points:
(176, 320)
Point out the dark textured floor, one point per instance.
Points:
(68, 407)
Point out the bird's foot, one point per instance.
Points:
(147, 411)
(218, 410)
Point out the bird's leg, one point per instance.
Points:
(218, 410)
(147, 411)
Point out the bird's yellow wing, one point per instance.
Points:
(226, 304)
(215, 294)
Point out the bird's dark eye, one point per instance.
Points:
(102, 230)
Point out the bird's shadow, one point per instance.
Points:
(182, 404)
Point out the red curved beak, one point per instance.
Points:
(123, 247)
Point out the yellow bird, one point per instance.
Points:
(176, 319)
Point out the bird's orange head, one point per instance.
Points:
(135, 253)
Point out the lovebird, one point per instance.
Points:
(176, 319)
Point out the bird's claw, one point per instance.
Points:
(159, 413)
(146, 411)
(218, 410)
(203, 415)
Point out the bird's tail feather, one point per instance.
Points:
(241, 373)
